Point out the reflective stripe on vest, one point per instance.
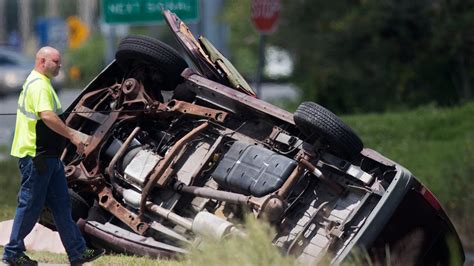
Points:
(31, 115)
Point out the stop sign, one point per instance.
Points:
(264, 14)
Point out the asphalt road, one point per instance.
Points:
(8, 105)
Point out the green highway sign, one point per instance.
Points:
(147, 11)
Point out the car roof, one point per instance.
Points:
(16, 56)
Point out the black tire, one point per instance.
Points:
(79, 209)
(97, 214)
(315, 121)
(79, 206)
(154, 53)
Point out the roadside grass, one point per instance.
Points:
(9, 184)
(437, 146)
(255, 249)
(110, 259)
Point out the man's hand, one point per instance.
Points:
(80, 146)
(57, 125)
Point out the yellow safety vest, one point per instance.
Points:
(37, 96)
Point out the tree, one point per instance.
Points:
(372, 55)
(243, 39)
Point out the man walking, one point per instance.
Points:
(40, 136)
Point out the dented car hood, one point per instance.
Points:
(209, 61)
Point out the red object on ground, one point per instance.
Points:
(265, 14)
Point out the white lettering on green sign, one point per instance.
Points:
(124, 8)
(147, 11)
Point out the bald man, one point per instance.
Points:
(40, 137)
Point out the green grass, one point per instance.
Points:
(47, 257)
(9, 184)
(437, 146)
(256, 247)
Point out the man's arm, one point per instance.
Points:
(53, 121)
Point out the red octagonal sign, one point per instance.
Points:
(265, 14)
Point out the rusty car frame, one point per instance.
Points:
(177, 153)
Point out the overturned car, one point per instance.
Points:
(177, 153)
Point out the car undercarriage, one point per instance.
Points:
(176, 154)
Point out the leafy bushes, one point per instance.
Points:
(365, 56)
(86, 61)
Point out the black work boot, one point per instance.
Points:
(21, 260)
(88, 256)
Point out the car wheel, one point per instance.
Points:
(79, 209)
(158, 56)
(315, 121)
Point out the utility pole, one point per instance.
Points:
(52, 8)
(24, 15)
(87, 11)
(3, 21)
(208, 26)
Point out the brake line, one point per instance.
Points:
(87, 112)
